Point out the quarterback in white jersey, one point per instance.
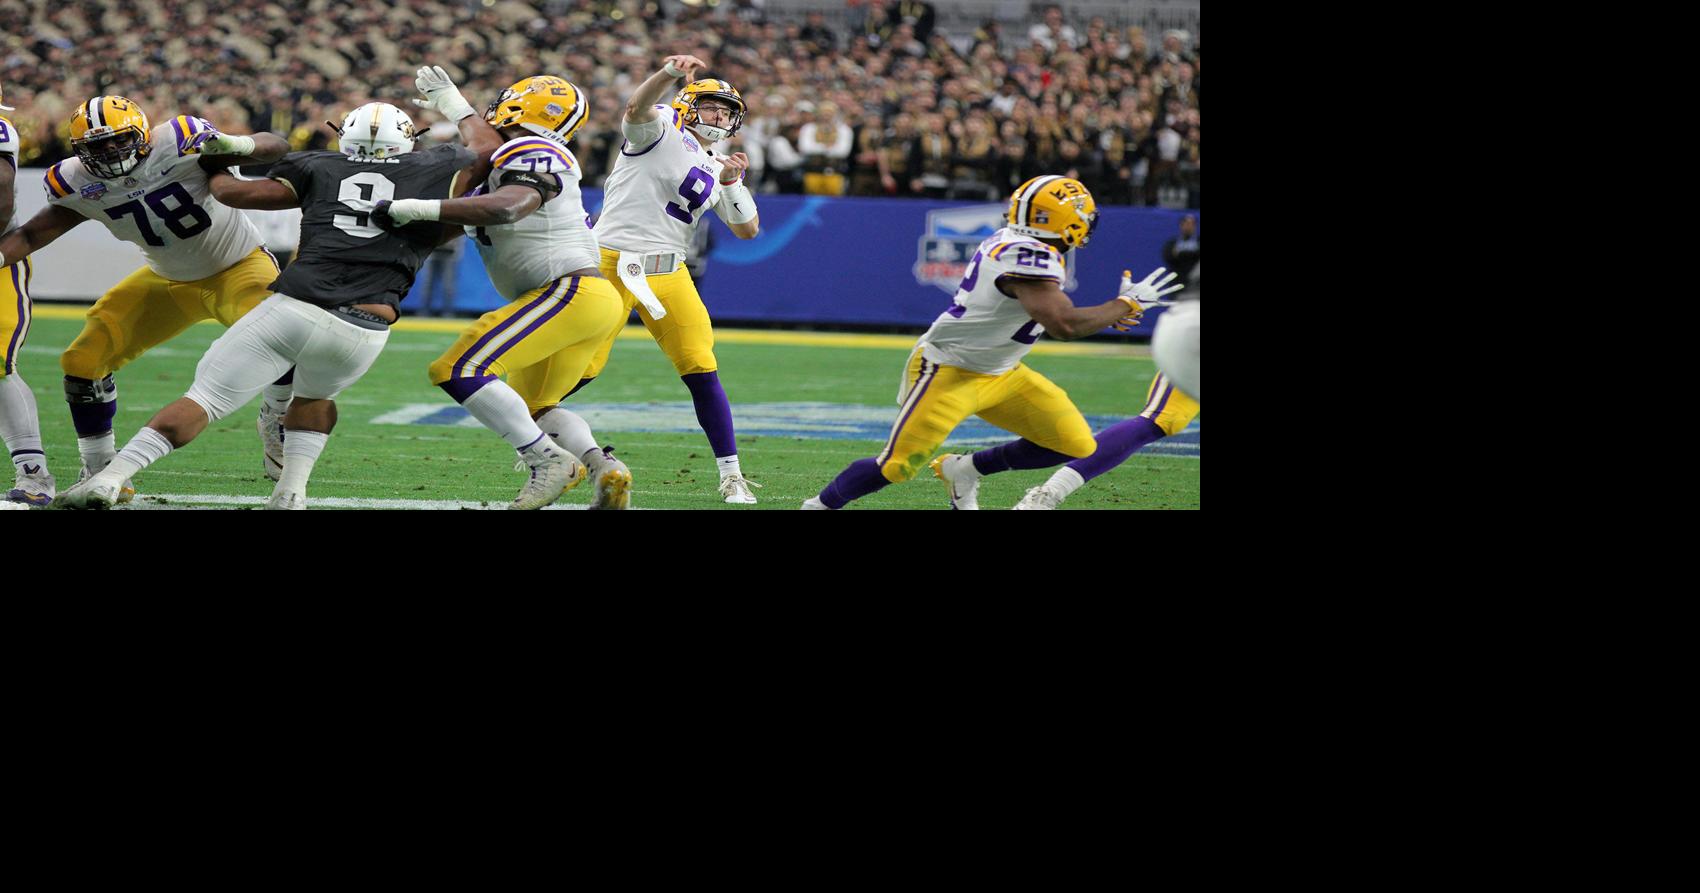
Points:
(204, 260)
(969, 361)
(528, 222)
(665, 177)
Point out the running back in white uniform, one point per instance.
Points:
(987, 330)
(164, 206)
(551, 241)
(662, 182)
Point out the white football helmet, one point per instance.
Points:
(376, 130)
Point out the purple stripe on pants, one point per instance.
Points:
(460, 364)
(23, 321)
(915, 400)
(526, 332)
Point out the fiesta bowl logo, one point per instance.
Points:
(952, 237)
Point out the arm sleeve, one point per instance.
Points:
(547, 185)
(644, 135)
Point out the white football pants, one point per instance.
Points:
(328, 355)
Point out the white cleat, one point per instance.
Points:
(33, 489)
(613, 483)
(1040, 498)
(126, 492)
(94, 493)
(290, 500)
(270, 426)
(813, 504)
(959, 475)
(553, 471)
(735, 488)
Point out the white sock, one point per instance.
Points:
(1065, 481)
(570, 431)
(300, 450)
(146, 448)
(20, 427)
(729, 467)
(98, 449)
(503, 411)
(278, 397)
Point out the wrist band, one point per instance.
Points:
(670, 71)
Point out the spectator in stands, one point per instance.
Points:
(1053, 33)
(932, 159)
(1181, 253)
(817, 33)
(897, 152)
(825, 145)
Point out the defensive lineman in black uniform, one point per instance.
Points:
(330, 313)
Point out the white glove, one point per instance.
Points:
(1145, 294)
(441, 93)
(208, 141)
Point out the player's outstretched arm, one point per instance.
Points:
(255, 195)
(735, 205)
(197, 136)
(443, 97)
(640, 108)
(506, 205)
(1045, 301)
(48, 224)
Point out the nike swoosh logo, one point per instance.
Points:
(737, 207)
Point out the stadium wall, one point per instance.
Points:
(824, 261)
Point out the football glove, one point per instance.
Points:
(441, 94)
(1147, 293)
(210, 142)
(395, 214)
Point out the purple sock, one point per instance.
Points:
(1017, 455)
(1115, 444)
(714, 412)
(91, 414)
(861, 478)
(462, 388)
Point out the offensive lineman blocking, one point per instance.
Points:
(330, 312)
(204, 259)
(664, 179)
(527, 220)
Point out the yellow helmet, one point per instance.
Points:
(110, 135)
(685, 103)
(547, 106)
(1054, 207)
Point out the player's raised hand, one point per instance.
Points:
(441, 94)
(736, 164)
(683, 67)
(1148, 292)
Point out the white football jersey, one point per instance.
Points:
(551, 241)
(165, 206)
(986, 329)
(9, 151)
(656, 194)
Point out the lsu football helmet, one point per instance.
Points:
(685, 103)
(1054, 207)
(376, 130)
(547, 106)
(110, 135)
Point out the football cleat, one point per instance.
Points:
(1040, 498)
(735, 488)
(287, 500)
(94, 493)
(270, 426)
(813, 504)
(553, 471)
(126, 492)
(964, 485)
(33, 489)
(613, 483)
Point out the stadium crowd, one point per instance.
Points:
(878, 102)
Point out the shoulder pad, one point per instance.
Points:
(58, 179)
(532, 153)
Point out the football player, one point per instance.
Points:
(1168, 410)
(20, 426)
(663, 181)
(204, 259)
(969, 361)
(330, 311)
(528, 223)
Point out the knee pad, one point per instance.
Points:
(1080, 447)
(215, 406)
(82, 363)
(441, 369)
(86, 390)
(898, 471)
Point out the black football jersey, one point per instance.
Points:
(346, 258)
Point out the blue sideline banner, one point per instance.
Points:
(866, 261)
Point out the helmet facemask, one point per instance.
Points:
(110, 154)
